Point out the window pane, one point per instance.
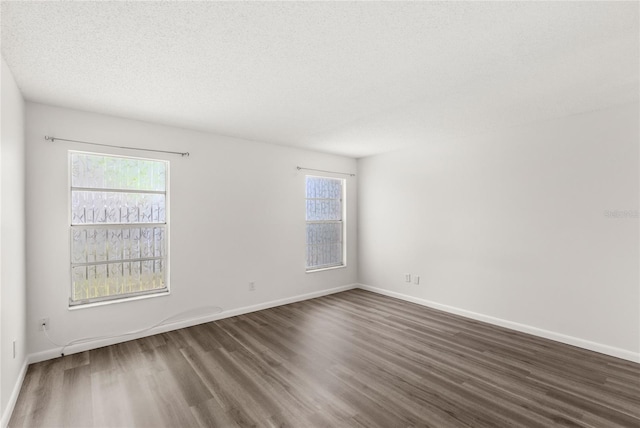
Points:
(115, 279)
(319, 256)
(113, 207)
(324, 209)
(327, 188)
(110, 172)
(91, 245)
(324, 244)
(324, 233)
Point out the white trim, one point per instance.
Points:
(558, 337)
(326, 268)
(156, 293)
(13, 398)
(570, 340)
(80, 347)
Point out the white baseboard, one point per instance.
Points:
(558, 337)
(570, 340)
(13, 398)
(98, 343)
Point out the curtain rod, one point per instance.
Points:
(322, 170)
(52, 139)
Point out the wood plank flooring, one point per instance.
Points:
(353, 359)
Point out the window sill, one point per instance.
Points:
(327, 268)
(114, 301)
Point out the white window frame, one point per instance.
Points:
(343, 196)
(97, 301)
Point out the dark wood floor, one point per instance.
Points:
(351, 359)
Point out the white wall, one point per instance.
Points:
(237, 215)
(512, 227)
(12, 245)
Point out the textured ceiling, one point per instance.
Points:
(352, 78)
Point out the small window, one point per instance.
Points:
(118, 227)
(325, 222)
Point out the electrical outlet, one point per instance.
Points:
(407, 277)
(43, 324)
(416, 279)
(252, 286)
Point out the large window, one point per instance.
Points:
(118, 227)
(325, 222)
